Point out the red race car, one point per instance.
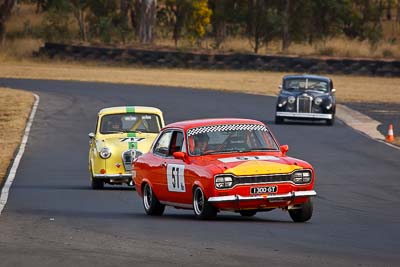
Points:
(223, 164)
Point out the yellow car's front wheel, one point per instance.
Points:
(96, 183)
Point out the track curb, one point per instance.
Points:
(361, 123)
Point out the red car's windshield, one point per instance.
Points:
(217, 139)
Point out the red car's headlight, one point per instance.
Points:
(301, 177)
(223, 182)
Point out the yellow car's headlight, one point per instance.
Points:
(105, 153)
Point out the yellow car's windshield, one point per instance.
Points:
(130, 122)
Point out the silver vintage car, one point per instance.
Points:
(306, 97)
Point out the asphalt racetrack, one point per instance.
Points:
(54, 218)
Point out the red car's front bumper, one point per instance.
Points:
(237, 202)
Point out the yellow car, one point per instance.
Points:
(122, 134)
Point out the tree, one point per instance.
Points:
(263, 22)
(285, 26)
(191, 16)
(55, 24)
(398, 11)
(364, 20)
(148, 15)
(6, 7)
(180, 10)
(255, 23)
(199, 19)
(79, 8)
(220, 16)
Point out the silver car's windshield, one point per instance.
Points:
(306, 84)
(229, 138)
(130, 122)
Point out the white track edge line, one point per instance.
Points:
(13, 170)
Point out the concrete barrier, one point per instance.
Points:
(175, 59)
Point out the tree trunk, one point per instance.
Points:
(220, 24)
(135, 16)
(123, 8)
(6, 7)
(180, 14)
(82, 25)
(285, 30)
(79, 13)
(39, 5)
(398, 11)
(148, 13)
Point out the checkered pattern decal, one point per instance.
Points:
(226, 127)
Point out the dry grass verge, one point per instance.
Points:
(349, 88)
(15, 107)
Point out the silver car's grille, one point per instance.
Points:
(262, 179)
(304, 104)
(127, 158)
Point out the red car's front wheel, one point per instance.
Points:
(202, 208)
(303, 213)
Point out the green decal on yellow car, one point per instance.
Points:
(130, 109)
(132, 145)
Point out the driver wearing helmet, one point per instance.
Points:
(115, 124)
(200, 143)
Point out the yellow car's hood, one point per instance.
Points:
(124, 141)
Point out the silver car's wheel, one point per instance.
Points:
(202, 209)
(330, 122)
(278, 120)
(150, 202)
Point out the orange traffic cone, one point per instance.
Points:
(390, 136)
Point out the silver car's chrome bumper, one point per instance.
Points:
(113, 176)
(275, 197)
(304, 115)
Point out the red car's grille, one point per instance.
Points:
(262, 179)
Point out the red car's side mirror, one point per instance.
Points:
(180, 155)
(284, 149)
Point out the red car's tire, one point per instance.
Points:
(151, 204)
(302, 214)
(202, 208)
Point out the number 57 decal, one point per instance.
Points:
(176, 178)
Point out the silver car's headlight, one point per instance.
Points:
(282, 101)
(301, 177)
(291, 99)
(223, 182)
(105, 153)
(317, 101)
